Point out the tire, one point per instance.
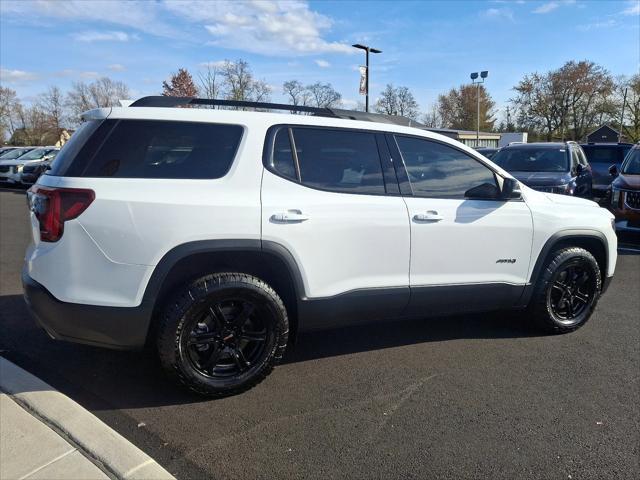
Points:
(222, 334)
(567, 291)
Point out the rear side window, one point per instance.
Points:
(282, 160)
(607, 155)
(74, 155)
(154, 149)
(339, 160)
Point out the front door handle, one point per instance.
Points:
(429, 216)
(290, 216)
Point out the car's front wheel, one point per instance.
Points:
(223, 334)
(567, 291)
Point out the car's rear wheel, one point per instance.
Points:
(567, 292)
(223, 334)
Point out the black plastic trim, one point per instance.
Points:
(112, 327)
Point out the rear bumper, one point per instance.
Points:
(112, 327)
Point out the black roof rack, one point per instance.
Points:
(166, 101)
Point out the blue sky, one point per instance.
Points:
(429, 46)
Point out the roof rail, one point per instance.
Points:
(166, 101)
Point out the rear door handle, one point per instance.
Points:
(429, 216)
(290, 216)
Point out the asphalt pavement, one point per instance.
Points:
(479, 396)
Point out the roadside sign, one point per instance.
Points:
(363, 80)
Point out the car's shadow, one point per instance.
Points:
(106, 379)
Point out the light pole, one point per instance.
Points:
(474, 80)
(367, 50)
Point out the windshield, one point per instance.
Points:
(631, 164)
(532, 159)
(13, 154)
(35, 154)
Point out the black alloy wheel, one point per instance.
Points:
(222, 334)
(571, 292)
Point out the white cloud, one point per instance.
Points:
(213, 64)
(141, 15)
(322, 63)
(498, 13)
(551, 6)
(597, 25)
(16, 76)
(116, 67)
(89, 75)
(106, 36)
(264, 27)
(547, 7)
(633, 9)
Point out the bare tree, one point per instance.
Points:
(8, 105)
(431, 118)
(52, 104)
(296, 93)
(239, 83)
(397, 101)
(210, 83)
(101, 93)
(180, 85)
(323, 95)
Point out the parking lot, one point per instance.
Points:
(466, 397)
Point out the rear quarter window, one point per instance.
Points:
(157, 149)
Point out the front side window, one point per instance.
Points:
(339, 160)
(439, 171)
(165, 149)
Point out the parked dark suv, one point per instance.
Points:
(624, 193)
(601, 156)
(558, 167)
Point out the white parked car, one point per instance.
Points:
(217, 235)
(11, 168)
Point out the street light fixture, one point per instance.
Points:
(367, 50)
(474, 80)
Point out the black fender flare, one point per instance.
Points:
(552, 242)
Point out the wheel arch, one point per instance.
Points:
(594, 241)
(269, 261)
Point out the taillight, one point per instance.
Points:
(54, 206)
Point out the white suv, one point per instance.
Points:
(216, 235)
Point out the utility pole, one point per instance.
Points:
(624, 102)
(474, 80)
(367, 49)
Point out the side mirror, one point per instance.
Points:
(486, 191)
(613, 170)
(510, 188)
(579, 169)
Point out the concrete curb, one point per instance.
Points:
(109, 450)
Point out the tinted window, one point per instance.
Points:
(439, 171)
(159, 149)
(339, 160)
(632, 163)
(84, 142)
(608, 155)
(532, 159)
(282, 159)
